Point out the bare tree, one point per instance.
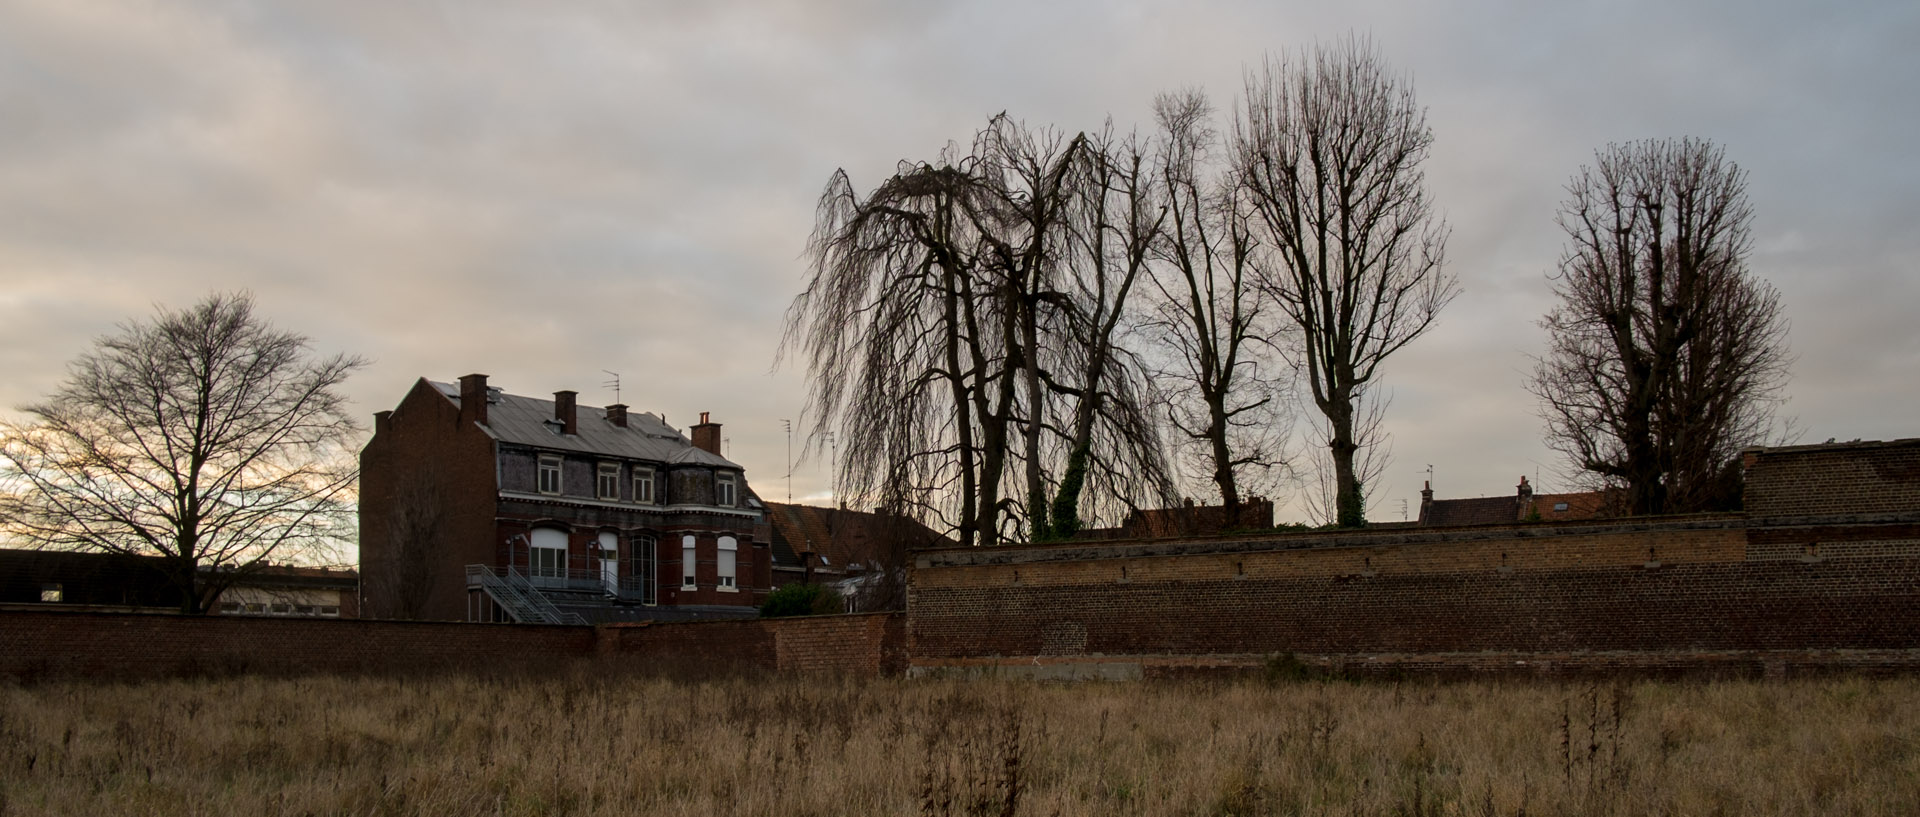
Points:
(1222, 386)
(957, 313)
(205, 437)
(1665, 357)
(1330, 145)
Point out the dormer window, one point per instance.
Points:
(723, 490)
(607, 481)
(643, 485)
(549, 473)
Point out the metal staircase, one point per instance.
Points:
(523, 602)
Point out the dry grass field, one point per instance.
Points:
(593, 745)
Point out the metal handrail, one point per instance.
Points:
(517, 595)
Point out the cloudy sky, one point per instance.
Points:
(543, 191)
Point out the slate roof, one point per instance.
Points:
(1489, 510)
(529, 421)
(1506, 510)
(843, 537)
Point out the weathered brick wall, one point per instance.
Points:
(52, 645)
(1834, 479)
(133, 647)
(867, 644)
(1650, 595)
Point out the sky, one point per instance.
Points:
(546, 192)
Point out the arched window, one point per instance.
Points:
(641, 580)
(610, 562)
(548, 564)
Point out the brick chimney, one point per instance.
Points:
(706, 435)
(1426, 499)
(563, 411)
(617, 415)
(1525, 497)
(473, 399)
(382, 422)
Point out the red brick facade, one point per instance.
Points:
(454, 478)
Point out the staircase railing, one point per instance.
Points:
(522, 601)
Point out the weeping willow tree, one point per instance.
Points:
(960, 327)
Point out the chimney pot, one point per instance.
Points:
(473, 399)
(565, 412)
(706, 435)
(617, 414)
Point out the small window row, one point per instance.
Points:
(607, 482)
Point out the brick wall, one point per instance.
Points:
(1822, 571)
(867, 644)
(38, 645)
(1834, 478)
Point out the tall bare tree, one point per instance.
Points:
(1665, 356)
(204, 437)
(1223, 388)
(1330, 144)
(956, 314)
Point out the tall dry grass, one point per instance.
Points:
(586, 743)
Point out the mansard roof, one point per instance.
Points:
(529, 421)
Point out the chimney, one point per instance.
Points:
(382, 422)
(473, 399)
(563, 411)
(706, 435)
(1426, 499)
(617, 415)
(1525, 499)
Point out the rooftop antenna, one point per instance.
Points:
(727, 445)
(1403, 509)
(833, 460)
(788, 425)
(613, 384)
(1429, 475)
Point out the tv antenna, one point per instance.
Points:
(788, 425)
(613, 384)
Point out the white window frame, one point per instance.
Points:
(549, 464)
(606, 484)
(725, 494)
(689, 561)
(729, 563)
(547, 564)
(643, 484)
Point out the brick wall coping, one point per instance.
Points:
(1856, 445)
(1072, 552)
(627, 625)
(1830, 520)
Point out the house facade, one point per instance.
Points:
(485, 506)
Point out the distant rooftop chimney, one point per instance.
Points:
(473, 399)
(564, 412)
(706, 435)
(617, 414)
(1426, 499)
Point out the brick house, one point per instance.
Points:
(1523, 506)
(486, 506)
(862, 554)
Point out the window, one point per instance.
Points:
(1559, 506)
(729, 550)
(643, 485)
(229, 607)
(687, 575)
(53, 593)
(549, 473)
(547, 564)
(610, 562)
(330, 610)
(642, 559)
(607, 485)
(723, 490)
